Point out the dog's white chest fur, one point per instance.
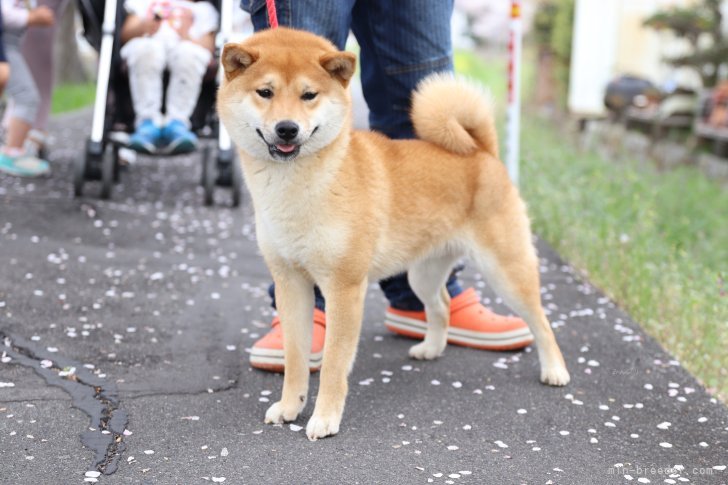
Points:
(296, 222)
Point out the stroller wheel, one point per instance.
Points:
(107, 173)
(117, 164)
(79, 170)
(229, 174)
(209, 174)
(87, 167)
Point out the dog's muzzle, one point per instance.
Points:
(282, 150)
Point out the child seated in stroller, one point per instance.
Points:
(177, 35)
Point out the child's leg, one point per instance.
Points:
(187, 64)
(4, 75)
(22, 91)
(38, 52)
(145, 59)
(4, 67)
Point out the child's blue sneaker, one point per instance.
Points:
(146, 138)
(179, 138)
(24, 165)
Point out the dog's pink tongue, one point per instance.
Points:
(286, 148)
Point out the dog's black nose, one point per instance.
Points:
(287, 130)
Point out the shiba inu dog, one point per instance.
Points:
(339, 208)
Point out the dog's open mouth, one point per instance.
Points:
(280, 151)
(285, 152)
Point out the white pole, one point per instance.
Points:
(102, 79)
(514, 91)
(226, 30)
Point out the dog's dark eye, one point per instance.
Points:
(264, 93)
(308, 96)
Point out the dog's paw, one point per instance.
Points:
(278, 413)
(426, 351)
(555, 375)
(322, 426)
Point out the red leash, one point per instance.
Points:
(272, 17)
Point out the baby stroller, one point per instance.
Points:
(113, 116)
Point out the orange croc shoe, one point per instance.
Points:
(471, 325)
(267, 352)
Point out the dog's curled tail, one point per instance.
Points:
(454, 113)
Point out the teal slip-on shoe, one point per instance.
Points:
(178, 138)
(146, 138)
(24, 166)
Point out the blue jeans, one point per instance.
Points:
(401, 42)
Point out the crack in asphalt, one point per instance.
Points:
(233, 386)
(89, 393)
(16, 401)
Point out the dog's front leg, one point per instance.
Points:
(295, 302)
(344, 311)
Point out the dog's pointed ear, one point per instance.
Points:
(341, 65)
(235, 59)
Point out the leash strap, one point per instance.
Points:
(272, 16)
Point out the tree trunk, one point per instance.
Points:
(68, 66)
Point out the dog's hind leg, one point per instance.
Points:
(295, 302)
(508, 259)
(427, 279)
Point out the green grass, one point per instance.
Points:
(491, 72)
(657, 243)
(70, 97)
